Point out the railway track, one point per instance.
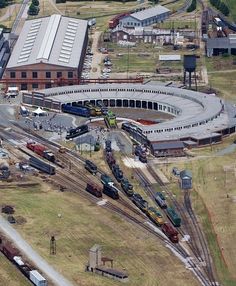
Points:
(198, 243)
(77, 184)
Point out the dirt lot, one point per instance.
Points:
(214, 201)
(83, 224)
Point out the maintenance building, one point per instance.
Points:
(49, 50)
(145, 17)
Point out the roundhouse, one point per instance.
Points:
(48, 50)
(198, 118)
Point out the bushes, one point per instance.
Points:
(34, 7)
(193, 6)
(221, 6)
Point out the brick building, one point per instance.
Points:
(49, 52)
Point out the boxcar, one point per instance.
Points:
(94, 190)
(111, 191)
(41, 165)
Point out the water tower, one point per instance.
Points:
(190, 67)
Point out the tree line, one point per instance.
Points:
(221, 6)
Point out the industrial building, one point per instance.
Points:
(49, 50)
(145, 17)
(144, 35)
(198, 118)
(219, 46)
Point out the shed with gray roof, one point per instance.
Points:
(48, 49)
(145, 17)
(185, 180)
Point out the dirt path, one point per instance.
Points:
(39, 262)
(97, 56)
(10, 11)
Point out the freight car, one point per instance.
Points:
(76, 110)
(111, 191)
(41, 165)
(41, 151)
(91, 167)
(9, 251)
(174, 217)
(75, 132)
(94, 190)
(170, 232)
(110, 119)
(160, 201)
(110, 159)
(115, 21)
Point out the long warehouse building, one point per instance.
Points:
(49, 51)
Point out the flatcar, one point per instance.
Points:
(75, 132)
(76, 110)
(110, 119)
(174, 217)
(160, 201)
(111, 191)
(42, 166)
(94, 190)
(91, 167)
(170, 232)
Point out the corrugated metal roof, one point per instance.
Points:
(150, 12)
(55, 40)
(185, 173)
(167, 145)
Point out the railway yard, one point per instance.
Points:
(130, 157)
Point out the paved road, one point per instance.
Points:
(39, 262)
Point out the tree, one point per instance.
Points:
(33, 10)
(2, 3)
(35, 2)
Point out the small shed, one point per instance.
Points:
(185, 180)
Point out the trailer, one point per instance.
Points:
(42, 166)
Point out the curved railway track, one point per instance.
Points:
(77, 185)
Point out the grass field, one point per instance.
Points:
(9, 275)
(214, 198)
(83, 224)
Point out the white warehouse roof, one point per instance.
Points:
(150, 12)
(55, 40)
